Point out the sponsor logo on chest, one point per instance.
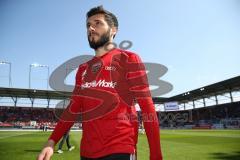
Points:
(110, 68)
(99, 83)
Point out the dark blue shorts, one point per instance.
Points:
(117, 156)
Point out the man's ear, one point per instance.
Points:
(114, 31)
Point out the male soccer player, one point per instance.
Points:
(106, 88)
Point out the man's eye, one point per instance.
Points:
(98, 23)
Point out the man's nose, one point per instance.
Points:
(91, 28)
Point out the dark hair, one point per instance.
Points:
(110, 18)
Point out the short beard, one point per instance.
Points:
(104, 39)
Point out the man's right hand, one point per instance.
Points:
(47, 151)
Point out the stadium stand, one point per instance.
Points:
(28, 118)
(225, 115)
(217, 116)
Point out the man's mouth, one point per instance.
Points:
(93, 36)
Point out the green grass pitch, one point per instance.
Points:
(176, 145)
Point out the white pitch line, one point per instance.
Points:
(203, 134)
(13, 135)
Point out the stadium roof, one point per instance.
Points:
(33, 93)
(229, 85)
(232, 84)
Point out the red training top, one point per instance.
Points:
(106, 90)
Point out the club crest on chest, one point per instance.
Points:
(96, 67)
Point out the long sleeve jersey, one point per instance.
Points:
(103, 99)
